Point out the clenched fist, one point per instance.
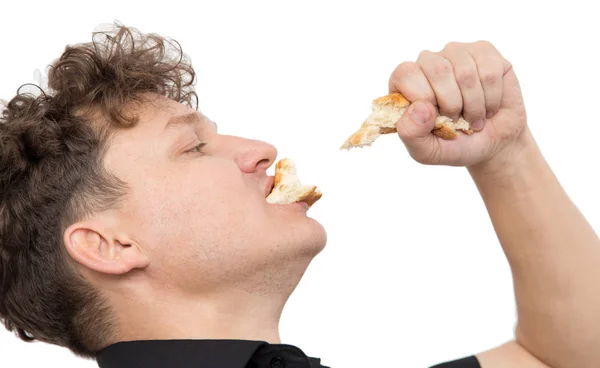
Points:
(464, 79)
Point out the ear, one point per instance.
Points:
(99, 249)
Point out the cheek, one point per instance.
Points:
(209, 216)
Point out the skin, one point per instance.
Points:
(195, 237)
(553, 252)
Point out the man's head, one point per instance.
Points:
(121, 202)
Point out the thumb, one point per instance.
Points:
(414, 129)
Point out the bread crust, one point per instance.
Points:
(386, 111)
(444, 132)
(394, 99)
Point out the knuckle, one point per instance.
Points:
(404, 69)
(440, 67)
(483, 47)
(452, 46)
(401, 73)
(466, 78)
(489, 77)
(424, 54)
(484, 44)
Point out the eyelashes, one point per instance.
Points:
(197, 148)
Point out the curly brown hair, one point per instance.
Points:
(52, 175)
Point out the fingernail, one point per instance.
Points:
(420, 113)
(489, 114)
(478, 124)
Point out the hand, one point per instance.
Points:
(468, 79)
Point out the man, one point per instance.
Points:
(134, 233)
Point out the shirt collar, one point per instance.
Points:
(199, 353)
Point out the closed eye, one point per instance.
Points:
(197, 148)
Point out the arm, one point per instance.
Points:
(554, 256)
(553, 252)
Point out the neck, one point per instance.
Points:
(248, 308)
(232, 315)
(150, 312)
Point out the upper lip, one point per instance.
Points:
(269, 185)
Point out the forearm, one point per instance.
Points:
(554, 256)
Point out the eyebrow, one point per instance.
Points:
(187, 119)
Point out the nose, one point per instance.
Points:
(254, 155)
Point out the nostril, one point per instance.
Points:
(264, 162)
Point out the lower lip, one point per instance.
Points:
(299, 205)
(302, 205)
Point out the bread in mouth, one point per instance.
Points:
(287, 187)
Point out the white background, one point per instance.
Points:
(412, 274)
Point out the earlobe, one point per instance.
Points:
(99, 250)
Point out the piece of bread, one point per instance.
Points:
(387, 110)
(287, 187)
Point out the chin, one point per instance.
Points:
(311, 237)
(292, 228)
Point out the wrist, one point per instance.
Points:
(512, 161)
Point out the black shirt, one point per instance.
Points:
(218, 354)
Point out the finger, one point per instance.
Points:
(490, 66)
(440, 74)
(467, 79)
(414, 129)
(408, 79)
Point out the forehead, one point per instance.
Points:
(159, 111)
(152, 115)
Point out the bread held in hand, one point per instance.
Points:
(387, 110)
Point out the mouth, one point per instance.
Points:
(270, 185)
